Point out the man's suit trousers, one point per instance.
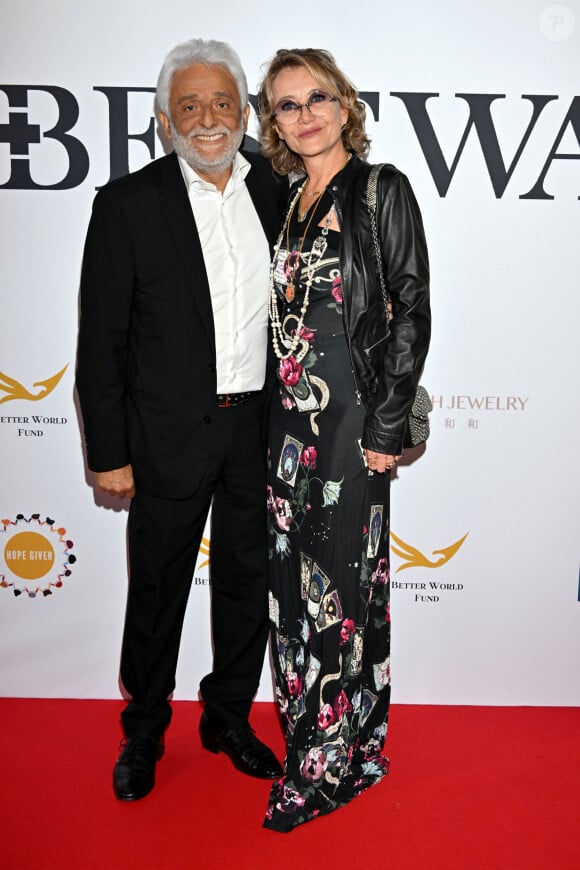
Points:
(164, 539)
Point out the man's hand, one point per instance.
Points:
(118, 482)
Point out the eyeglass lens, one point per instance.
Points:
(289, 111)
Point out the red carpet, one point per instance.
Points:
(470, 787)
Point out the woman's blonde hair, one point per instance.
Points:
(322, 66)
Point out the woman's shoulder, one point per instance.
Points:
(386, 172)
(390, 181)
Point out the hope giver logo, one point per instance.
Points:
(35, 555)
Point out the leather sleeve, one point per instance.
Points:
(406, 270)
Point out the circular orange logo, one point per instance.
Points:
(29, 555)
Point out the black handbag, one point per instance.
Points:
(418, 418)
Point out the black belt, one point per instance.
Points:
(227, 400)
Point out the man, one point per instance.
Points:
(171, 368)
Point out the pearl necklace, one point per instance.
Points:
(279, 337)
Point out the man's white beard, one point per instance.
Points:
(184, 147)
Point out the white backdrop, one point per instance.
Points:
(495, 620)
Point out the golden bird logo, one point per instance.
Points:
(204, 551)
(15, 390)
(414, 558)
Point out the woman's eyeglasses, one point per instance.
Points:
(288, 111)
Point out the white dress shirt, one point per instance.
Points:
(237, 260)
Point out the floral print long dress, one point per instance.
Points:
(328, 523)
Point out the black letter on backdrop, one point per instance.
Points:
(480, 118)
(573, 118)
(119, 128)
(371, 98)
(20, 134)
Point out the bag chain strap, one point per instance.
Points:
(418, 421)
(372, 207)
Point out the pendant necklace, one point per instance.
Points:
(290, 289)
(280, 339)
(303, 212)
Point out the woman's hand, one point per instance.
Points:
(380, 462)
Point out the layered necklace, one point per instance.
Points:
(302, 212)
(290, 289)
(280, 339)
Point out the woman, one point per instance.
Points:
(337, 425)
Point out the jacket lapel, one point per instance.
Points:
(263, 197)
(177, 210)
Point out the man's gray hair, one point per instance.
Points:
(207, 51)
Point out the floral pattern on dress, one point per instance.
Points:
(328, 524)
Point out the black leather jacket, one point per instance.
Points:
(386, 363)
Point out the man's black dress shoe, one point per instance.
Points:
(247, 753)
(134, 772)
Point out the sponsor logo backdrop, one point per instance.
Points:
(479, 109)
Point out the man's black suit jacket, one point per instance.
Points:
(146, 367)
